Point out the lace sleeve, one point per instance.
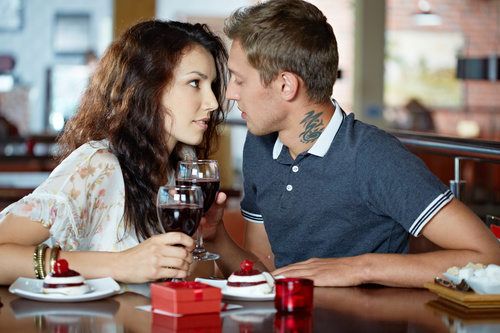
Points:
(82, 192)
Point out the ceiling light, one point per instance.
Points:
(425, 17)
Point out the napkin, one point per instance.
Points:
(224, 307)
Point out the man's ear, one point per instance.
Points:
(289, 85)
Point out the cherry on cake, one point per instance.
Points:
(249, 281)
(64, 281)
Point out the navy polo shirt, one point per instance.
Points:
(357, 190)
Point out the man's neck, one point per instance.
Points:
(305, 127)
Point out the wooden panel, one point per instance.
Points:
(129, 12)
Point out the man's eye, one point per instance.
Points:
(233, 78)
(195, 83)
(237, 82)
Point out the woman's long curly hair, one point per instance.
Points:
(123, 104)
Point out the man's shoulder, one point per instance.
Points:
(364, 133)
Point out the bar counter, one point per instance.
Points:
(355, 309)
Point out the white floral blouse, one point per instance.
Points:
(82, 201)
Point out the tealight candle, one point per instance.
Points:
(294, 295)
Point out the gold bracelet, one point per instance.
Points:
(54, 254)
(35, 262)
(41, 260)
(40, 266)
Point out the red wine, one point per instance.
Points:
(182, 217)
(209, 187)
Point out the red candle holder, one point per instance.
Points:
(294, 295)
(494, 223)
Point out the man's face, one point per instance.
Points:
(258, 104)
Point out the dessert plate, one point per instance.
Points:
(222, 284)
(32, 289)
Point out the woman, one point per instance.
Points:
(155, 98)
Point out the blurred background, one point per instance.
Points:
(406, 65)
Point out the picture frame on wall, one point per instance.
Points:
(66, 84)
(71, 33)
(11, 15)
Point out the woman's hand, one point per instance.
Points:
(156, 258)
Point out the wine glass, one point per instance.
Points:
(179, 208)
(205, 174)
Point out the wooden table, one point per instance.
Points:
(360, 309)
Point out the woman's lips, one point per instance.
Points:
(202, 123)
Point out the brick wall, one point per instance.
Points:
(479, 22)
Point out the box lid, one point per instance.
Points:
(186, 291)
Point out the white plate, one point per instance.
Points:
(234, 296)
(32, 289)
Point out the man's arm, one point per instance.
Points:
(256, 241)
(217, 240)
(461, 233)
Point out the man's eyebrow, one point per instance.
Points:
(235, 72)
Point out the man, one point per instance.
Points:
(328, 197)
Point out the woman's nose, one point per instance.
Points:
(210, 103)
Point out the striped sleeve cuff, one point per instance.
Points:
(251, 217)
(429, 212)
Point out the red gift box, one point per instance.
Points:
(185, 297)
(206, 323)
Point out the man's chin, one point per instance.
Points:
(257, 132)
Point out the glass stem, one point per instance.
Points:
(200, 248)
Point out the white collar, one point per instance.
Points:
(321, 145)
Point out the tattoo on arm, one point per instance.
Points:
(313, 127)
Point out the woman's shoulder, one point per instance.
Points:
(92, 150)
(91, 156)
(93, 147)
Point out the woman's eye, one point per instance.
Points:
(195, 83)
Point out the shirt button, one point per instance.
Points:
(295, 168)
(289, 188)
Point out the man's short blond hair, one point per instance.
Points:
(288, 35)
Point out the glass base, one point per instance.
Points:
(204, 256)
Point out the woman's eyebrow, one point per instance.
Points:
(203, 76)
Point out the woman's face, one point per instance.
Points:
(190, 98)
